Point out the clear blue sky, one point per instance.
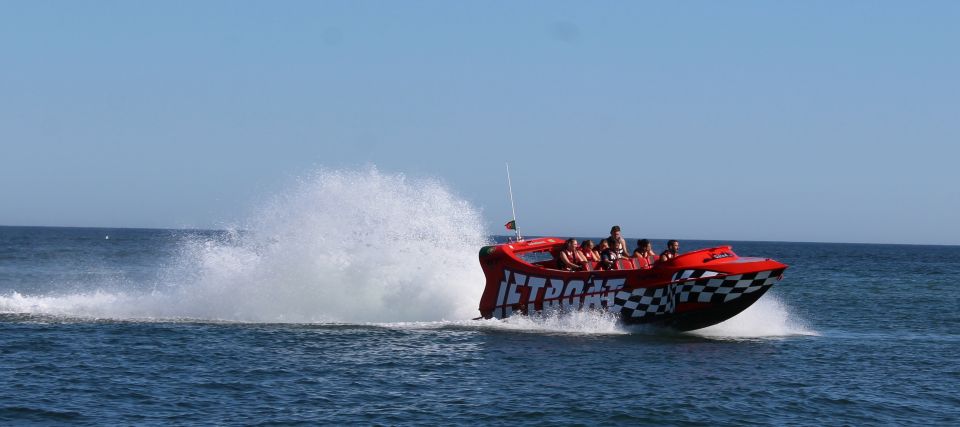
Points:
(743, 120)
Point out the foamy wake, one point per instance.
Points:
(576, 322)
(341, 246)
(767, 318)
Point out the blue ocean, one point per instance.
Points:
(339, 309)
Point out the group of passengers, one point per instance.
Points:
(574, 257)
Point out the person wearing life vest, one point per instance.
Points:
(569, 258)
(588, 251)
(610, 255)
(645, 254)
(615, 234)
(673, 248)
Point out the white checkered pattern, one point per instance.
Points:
(702, 287)
(644, 302)
(723, 289)
(693, 274)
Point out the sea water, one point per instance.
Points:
(347, 300)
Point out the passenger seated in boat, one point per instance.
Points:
(588, 251)
(644, 253)
(673, 248)
(569, 259)
(615, 234)
(609, 257)
(604, 245)
(580, 256)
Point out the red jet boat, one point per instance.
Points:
(692, 291)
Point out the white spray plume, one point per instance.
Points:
(341, 246)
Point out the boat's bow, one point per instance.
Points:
(706, 287)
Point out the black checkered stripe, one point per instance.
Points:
(643, 302)
(723, 289)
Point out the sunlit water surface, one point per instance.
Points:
(282, 323)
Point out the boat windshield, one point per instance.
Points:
(536, 257)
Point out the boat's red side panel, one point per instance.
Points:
(514, 285)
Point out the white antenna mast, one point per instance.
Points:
(512, 207)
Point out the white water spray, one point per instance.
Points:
(768, 317)
(341, 246)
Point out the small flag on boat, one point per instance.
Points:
(512, 225)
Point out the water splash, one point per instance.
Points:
(578, 322)
(340, 246)
(768, 317)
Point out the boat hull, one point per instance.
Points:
(700, 319)
(692, 291)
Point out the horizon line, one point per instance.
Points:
(493, 235)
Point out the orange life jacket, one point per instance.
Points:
(642, 262)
